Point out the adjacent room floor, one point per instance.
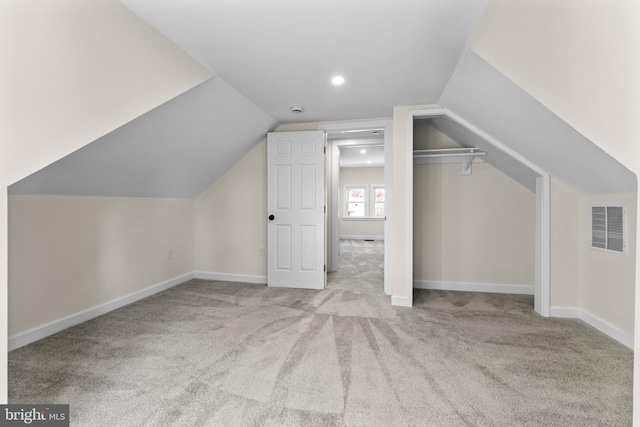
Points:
(220, 353)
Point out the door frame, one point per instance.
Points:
(387, 125)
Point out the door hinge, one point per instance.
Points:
(325, 149)
(325, 208)
(325, 268)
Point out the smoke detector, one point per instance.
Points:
(297, 109)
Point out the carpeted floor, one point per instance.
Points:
(219, 353)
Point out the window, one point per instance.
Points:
(377, 201)
(356, 201)
(364, 201)
(608, 228)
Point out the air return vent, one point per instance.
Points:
(608, 228)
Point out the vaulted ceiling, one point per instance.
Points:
(270, 56)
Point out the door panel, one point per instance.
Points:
(295, 205)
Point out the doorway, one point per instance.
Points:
(537, 180)
(356, 136)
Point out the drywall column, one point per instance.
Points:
(402, 219)
(402, 190)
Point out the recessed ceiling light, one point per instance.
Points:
(363, 151)
(337, 80)
(368, 162)
(297, 109)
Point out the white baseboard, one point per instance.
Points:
(359, 237)
(225, 277)
(601, 325)
(401, 301)
(37, 333)
(497, 288)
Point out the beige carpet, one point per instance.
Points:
(227, 354)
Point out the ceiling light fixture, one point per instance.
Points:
(297, 109)
(337, 80)
(363, 151)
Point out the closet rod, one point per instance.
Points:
(448, 150)
(450, 155)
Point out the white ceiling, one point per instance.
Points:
(283, 53)
(361, 152)
(270, 55)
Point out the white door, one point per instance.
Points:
(296, 209)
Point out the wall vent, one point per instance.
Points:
(608, 228)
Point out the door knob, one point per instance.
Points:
(271, 217)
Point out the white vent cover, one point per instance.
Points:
(608, 228)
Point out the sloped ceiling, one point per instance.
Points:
(502, 161)
(483, 96)
(283, 53)
(175, 150)
(268, 56)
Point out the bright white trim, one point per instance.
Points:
(335, 208)
(497, 288)
(542, 246)
(43, 331)
(388, 197)
(594, 321)
(226, 277)
(401, 301)
(360, 237)
(407, 228)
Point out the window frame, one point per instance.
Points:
(372, 200)
(369, 202)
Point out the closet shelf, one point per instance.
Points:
(464, 156)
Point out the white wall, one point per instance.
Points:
(580, 60)
(360, 228)
(608, 279)
(601, 284)
(478, 228)
(231, 219)
(71, 71)
(69, 254)
(565, 252)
